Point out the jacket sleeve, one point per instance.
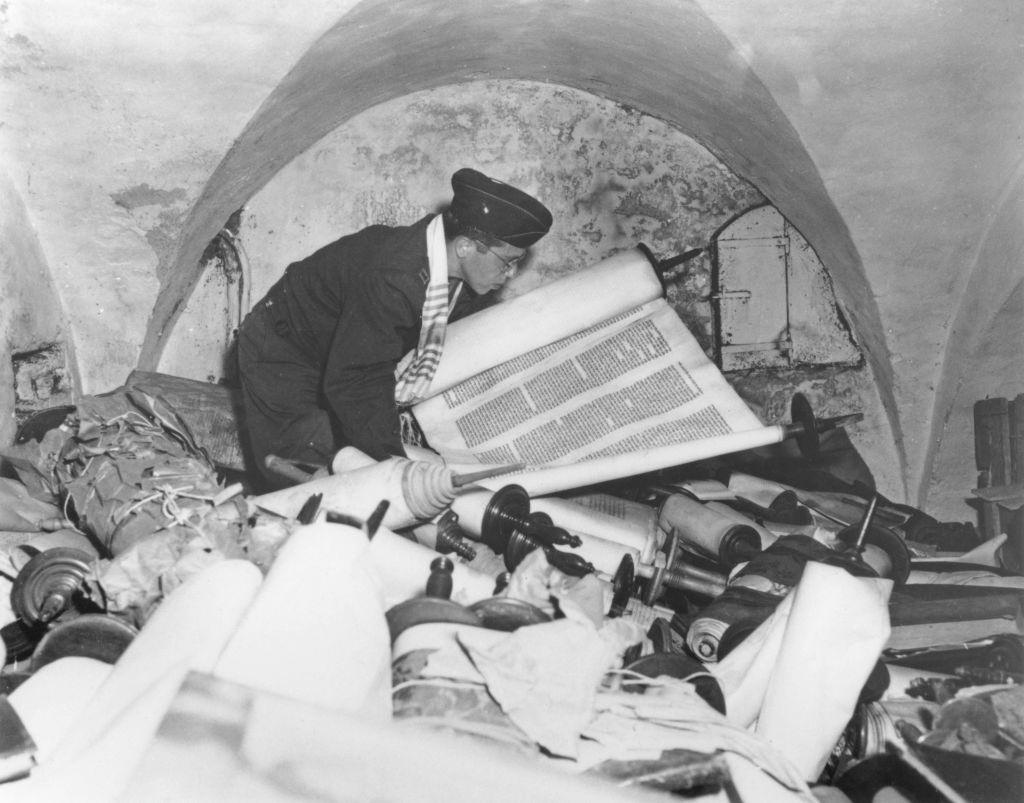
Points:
(379, 323)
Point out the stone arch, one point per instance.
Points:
(664, 57)
(38, 367)
(977, 351)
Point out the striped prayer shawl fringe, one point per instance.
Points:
(413, 376)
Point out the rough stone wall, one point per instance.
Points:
(36, 366)
(613, 178)
(115, 112)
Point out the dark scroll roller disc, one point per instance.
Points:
(733, 636)
(505, 514)
(786, 509)
(427, 610)
(518, 546)
(886, 540)
(622, 586)
(92, 635)
(508, 614)
(46, 584)
(739, 544)
(807, 439)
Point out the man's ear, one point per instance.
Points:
(464, 245)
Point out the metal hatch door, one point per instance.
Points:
(752, 302)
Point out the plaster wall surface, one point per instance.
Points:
(115, 112)
(914, 115)
(954, 467)
(31, 317)
(986, 343)
(613, 178)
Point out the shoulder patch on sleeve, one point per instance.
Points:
(424, 275)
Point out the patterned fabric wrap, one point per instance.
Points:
(415, 372)
(132, 468)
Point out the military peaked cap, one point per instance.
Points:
(497, 208)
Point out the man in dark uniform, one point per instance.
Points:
(319, 354)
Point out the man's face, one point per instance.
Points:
(487, 268)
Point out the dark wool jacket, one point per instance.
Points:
(354, 309)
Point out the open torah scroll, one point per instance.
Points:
(594, 373)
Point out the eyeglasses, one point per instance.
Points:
(510, 266)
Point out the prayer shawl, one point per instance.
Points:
(416, 370)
